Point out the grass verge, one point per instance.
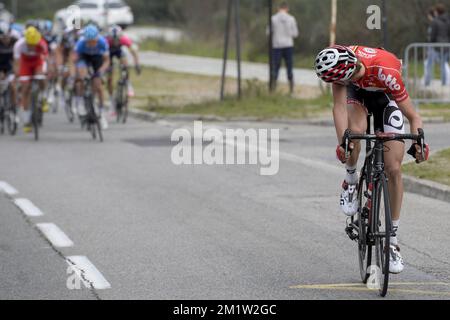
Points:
(436, 169)
(177, 93)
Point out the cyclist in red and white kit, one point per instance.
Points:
(30, 54)
(369, 80)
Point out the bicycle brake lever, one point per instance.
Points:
(422, 142)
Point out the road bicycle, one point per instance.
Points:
(53, 94)
(68, 94)
(371, 227)
(121, 95)
(92, 120)
(36, 107)
(8, 112)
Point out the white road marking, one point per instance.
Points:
(8, 189)
(28, 208)
(55, 235)
(87, 272)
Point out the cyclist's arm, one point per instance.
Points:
(134, 53)
(340, 110)
(407, 108)
(74, 58)
(17, 57)
(106, 62)
(59, 56)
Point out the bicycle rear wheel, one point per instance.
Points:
(68, 106)
(364, 244)
(119, 101)
(10, 116)
(35, 114)
(382, 230)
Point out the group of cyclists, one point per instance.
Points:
(58, 61)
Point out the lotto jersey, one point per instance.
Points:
(30, 54)
(383, 72)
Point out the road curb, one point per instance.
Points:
(154, 116)
(324, 122)
(427, 188)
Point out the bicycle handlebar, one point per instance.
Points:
(382, 136)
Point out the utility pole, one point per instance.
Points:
(270, 3)
(237, 26)
(225, 49)
(237, 21)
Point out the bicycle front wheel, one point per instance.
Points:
(364, 243)
(382, 225)
(35, 115)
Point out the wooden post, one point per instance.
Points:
(237, 21)
(225, 50)
(333, 22)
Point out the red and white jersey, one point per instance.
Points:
(30, 54)
(383, 72)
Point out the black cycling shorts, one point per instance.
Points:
(387, 116)
(94, 61)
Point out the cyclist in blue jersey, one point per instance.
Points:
(92, 50)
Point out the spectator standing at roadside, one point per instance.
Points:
(439, 33)
(285, 30)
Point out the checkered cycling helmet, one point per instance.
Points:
(336, 63)
(115, 32)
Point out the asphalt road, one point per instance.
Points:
(213, 67)
(154, 230)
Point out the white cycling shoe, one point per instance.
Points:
(103, 122)
(349, 199)
(396, 264)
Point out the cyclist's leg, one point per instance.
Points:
(110, 82)
(111, 76)
(357, 119)
(81, 74)
(25, 74)
(393, 121)
(97, 83)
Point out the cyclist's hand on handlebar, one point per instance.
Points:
(416, 152)
(138, 69)
(341, 154)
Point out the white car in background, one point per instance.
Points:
(100, 11)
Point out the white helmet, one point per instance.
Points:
(4, 28)
(336, 63)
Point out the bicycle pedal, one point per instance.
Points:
(351, 233)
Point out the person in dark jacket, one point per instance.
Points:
(439, 33)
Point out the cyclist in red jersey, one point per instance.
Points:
(30, 54)
(369, 80)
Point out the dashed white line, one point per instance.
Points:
(87, 272)
(55, 235)
(27, 207)
(8, 189)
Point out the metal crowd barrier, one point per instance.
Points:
(426, 72)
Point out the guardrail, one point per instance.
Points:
(427, 72)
